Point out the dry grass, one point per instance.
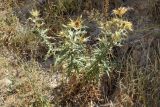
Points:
(23, 84)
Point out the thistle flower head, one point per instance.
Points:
(120, 11)
(128, 25)
(35, 13)
(76, 24)
(116, 37)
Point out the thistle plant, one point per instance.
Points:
(76, 57)
(72, 51)
(40, 30)
(117, 28)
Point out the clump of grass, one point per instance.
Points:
(154, 10)
(24, 84)
(141, 76)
